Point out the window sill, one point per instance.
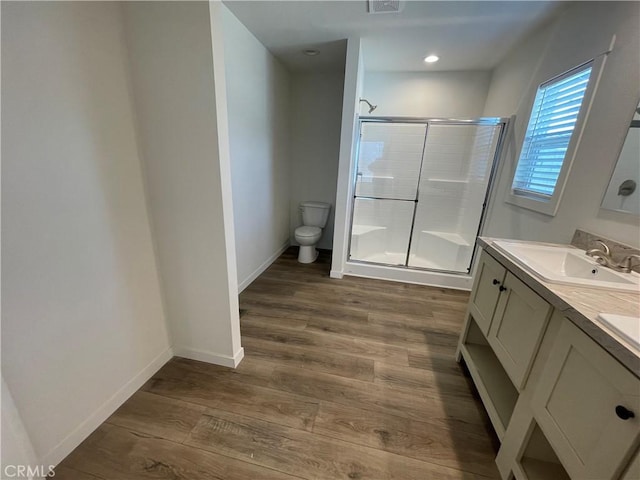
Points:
(546, 206)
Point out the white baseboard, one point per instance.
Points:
(75, 438)
(247, 281)
(210, 357)
(79, 434)
(336, 274)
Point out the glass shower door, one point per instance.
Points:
(388, 171)
(456, 169)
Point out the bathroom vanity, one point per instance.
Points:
(561, 388)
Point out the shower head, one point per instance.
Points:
(371, 107)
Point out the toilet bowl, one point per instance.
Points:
(307, 237)
(314, 218)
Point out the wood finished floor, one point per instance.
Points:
(342, 379)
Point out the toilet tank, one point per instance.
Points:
(315, 214)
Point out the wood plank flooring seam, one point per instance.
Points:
(435, 464)
(258, 418)
(293, 445)
(332, 337)
(195, 447)
(146, 435)
(393, 434)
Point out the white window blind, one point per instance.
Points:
(553, 119)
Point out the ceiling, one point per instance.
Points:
(467, 35)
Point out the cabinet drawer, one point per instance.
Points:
(517, 328)
(486, 291)
(577, 406)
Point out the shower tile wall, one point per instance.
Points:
(484, 146)
(456, 166)
(444, 180)
(389, 160)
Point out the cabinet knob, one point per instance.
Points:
(502, 288)
(624, 413)
(496, 281)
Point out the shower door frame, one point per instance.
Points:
(428, 121)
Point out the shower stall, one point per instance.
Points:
(421, 188)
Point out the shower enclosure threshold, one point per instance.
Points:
(403, 274)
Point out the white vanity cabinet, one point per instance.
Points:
(486, 291)
(561, 404)
(510, 315)
(505, 324)
(588, 406)
(517, 328)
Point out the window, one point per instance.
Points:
(550, 140)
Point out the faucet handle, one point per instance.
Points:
(627, 262)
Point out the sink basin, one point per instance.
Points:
(567, 265)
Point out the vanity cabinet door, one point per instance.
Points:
(588, 406)
(486, 291)
(517, 328)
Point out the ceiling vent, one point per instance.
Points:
(384, 6)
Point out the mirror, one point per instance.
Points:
(623, 193)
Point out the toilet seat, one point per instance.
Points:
(306, 231)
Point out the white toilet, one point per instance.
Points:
(314, 218)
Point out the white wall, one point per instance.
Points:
(183, 133)
(583, 31)
(258, 90)
(430, 94)
(82, 322)
(15, 444)
(316, 108)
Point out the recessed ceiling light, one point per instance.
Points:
(311, 52)
(431, 58)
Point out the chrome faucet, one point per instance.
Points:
(603, 257)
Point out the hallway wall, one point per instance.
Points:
(83, 324)
(258, 98)
(177, 69)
